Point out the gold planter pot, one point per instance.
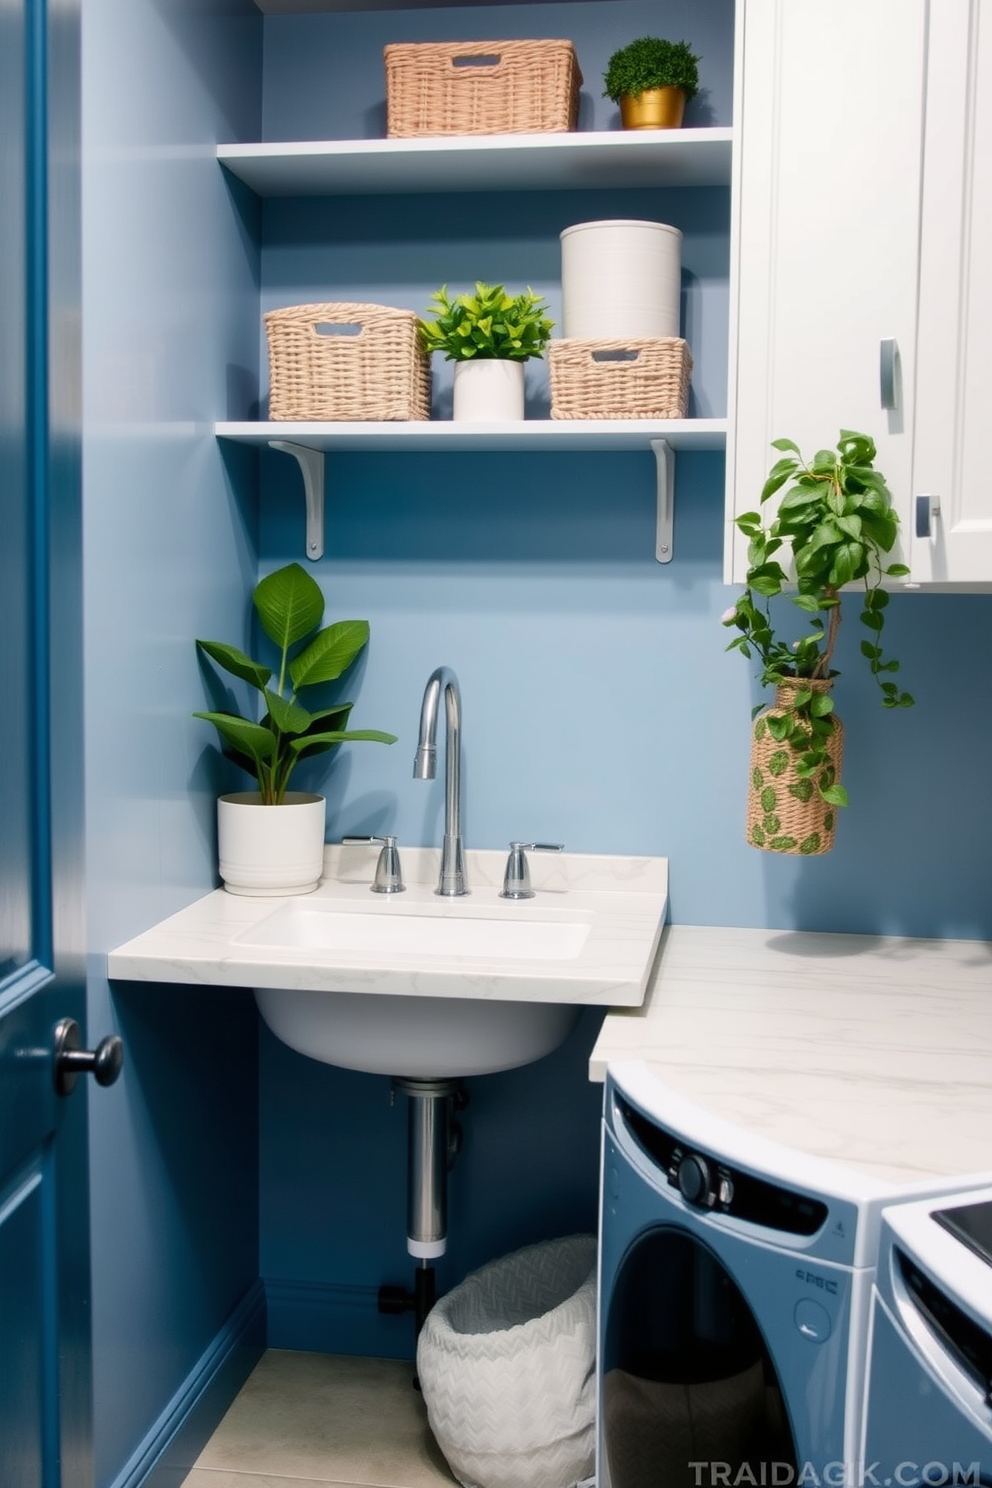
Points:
(785, 812)
(655, 108)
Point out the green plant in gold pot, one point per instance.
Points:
(652, 80)
(835, 524)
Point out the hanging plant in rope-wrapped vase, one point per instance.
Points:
(837, 521)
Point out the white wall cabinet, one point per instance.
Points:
(863, 295)
(831, 135)
(953, 546)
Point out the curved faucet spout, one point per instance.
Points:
(451, 880)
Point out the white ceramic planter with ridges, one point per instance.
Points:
(267, 850)
(620, 278)
(488, 392)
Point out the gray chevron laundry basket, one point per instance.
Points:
(506, 1362)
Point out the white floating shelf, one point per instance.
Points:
(531, 435)
(309, 443)
(501, 162)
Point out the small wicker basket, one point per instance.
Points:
(346, 361)
(644, 378)
(481, 87)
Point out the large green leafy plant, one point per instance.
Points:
(490, 325)
(837, 522)
(290, 607)
(651, 62)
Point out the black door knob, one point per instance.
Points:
(103, 1063)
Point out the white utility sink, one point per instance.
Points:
(392, 930)
(413, 984)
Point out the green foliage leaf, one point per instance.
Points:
(821, 705)
(289, 605)
(329, 653)
(289, 718)
(835, 794)
(316, 743)
(848, 563)
(247, 738)
(236, 662)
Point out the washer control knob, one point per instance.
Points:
(695, 1183)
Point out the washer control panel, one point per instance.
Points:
(708, 1183)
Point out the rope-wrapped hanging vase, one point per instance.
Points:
(785, 811)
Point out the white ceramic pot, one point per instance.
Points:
(488, 392)
(621, 278)
(270, 849)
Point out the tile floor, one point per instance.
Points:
(306, 1420)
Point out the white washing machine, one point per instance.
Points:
(928, 1417)
(735, 1297)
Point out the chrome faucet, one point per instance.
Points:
(451, 880)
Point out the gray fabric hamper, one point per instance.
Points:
(506, 1362)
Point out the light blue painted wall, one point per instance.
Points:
(600, 707)
(170, 344)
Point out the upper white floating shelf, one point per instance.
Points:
(528, 434)
(499, 162)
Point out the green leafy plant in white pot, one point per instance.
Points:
(489, 335)
(271, 840)
(835, 524)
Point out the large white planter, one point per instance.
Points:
(488, 392)
(270, 849)
(621, 278)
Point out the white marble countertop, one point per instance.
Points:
(872, 1051)
(622, 901)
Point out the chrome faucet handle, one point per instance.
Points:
(516, 879)
(388, 875)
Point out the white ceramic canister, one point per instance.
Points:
(621, 278)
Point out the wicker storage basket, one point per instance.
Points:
(630, 379)
(346, 361)
(481, 87)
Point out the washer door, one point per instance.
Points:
(688, 1387)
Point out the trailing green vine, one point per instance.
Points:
(836, 522)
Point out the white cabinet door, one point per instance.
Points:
(954, 370)
(828, 228)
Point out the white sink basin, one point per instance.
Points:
(415, 984)
(389, 930)
(422, 1038)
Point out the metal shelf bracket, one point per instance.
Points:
(311, 463)
(665, 460)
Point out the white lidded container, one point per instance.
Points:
(621, 278)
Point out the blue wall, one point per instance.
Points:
(170, 344)
(600, 707)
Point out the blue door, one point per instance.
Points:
(44, 1262)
